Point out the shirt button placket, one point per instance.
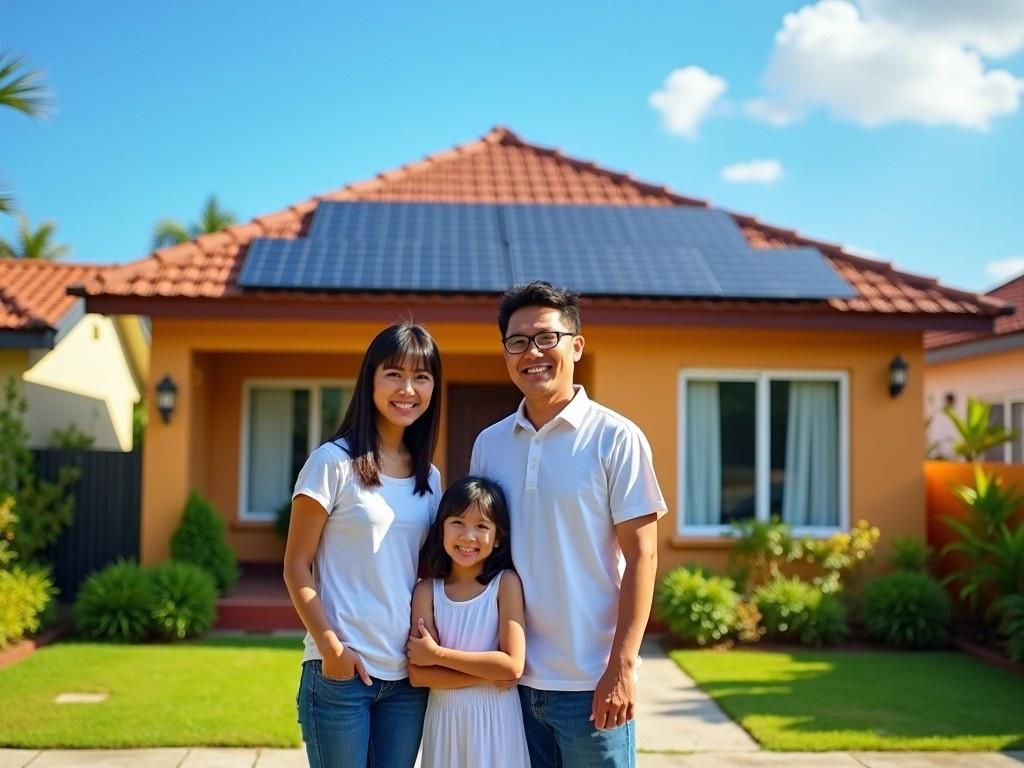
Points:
(533, 463)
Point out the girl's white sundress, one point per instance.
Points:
(481, 725)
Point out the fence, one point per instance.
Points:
(107, 508)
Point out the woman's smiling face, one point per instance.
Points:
(402, 393)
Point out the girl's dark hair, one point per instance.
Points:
(488, 496)
(392, 347)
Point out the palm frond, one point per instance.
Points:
(169, 232)
(21, 90)
(213, 218)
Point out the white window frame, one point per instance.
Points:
(762, 380)
(314, 386)
(1007, 401)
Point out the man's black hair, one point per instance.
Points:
(540, 294)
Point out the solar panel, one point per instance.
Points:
(598, 250)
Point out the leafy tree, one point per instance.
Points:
(212, 218)
(23, 91)
(33, 243)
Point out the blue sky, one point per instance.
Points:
(892, 126)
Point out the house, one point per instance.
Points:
(988, 365)
(74, 367)
(752, 405)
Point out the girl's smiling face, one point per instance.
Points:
(402, 393)
(469, 538)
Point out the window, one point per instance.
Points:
(282, 421)
(1012, 451)
(757, 444)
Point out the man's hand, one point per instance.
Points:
(614, 697)
(422, 651)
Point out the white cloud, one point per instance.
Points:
(1004, 269)
(991, 27)
(686, 98)
(755, 172)
(872, 71)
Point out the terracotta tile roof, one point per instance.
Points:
(1012, 293)
(33, 294)
(501, 167)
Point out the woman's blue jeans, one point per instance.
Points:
(346, 723)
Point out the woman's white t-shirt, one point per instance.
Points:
(365, 566)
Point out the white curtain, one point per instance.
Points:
(703, 454)
(811, 490)
(270, 449)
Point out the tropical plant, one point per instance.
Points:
(990, 540)
(200, 540)
(24, 596)
(116, 604)
(1011, 626)
(184, 599)
(23, 91)
(906, 610)
(975, 431)
(760, 548)
(212, 218)
(841, 555)
(33, 243)
(696, 606)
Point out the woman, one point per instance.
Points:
(361, 509)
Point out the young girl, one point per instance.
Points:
(361, 509)
(467, 642)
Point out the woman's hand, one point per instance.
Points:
(422, 650)
(345, 666)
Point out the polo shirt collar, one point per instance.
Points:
(572, 414)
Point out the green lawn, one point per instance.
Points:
(835, 700)
(229, 691)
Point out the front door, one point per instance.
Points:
(471, 407)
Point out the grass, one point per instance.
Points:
(836, 700)
(226, 691)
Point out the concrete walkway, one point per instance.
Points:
(677, 727)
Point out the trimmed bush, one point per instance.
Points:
(116, 604)
(184, 598)
(24, 595)
(200, 540)
(1011, 625)
(910, 554)
(696, 607)
(906, 610)
(796, 610)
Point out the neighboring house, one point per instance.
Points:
(988, 365)
(74, 367)
(752, 406)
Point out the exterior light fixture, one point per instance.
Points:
(166, 398)
(897, 376)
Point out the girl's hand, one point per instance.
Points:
(345, 666)
(422, 651)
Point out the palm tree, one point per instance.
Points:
(33, 243)
(23, 92)
(212, 218)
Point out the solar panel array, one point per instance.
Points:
(474, 248)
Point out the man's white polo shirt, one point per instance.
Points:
(568, 485)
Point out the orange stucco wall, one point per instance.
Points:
(633, 370)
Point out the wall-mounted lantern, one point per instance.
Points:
(166, 398)
(897, 376)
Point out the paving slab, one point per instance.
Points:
(281, 758)
(939, 759)
(674, 715)
(749, 760)
(16, 758)
(208, 757)
(110, 758)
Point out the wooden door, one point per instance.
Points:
(471, 407)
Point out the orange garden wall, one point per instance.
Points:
(634, 370)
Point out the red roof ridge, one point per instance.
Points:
(48, 264)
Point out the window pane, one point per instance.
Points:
(996, 416)
(333, 402)
(738, 401)
(805, 452)
(1017, 424)
(278, 445)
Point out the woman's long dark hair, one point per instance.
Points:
(487, 495)
(393, 347)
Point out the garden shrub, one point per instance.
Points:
(200, 540)
(1011, 626)
(906, 610)
(748, 622)
(184, 599)
(24, 595)
(910, 554)
(116, 604)
(797, 610)
(696, 606)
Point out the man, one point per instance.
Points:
(584, 503)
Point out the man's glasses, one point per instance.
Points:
(516, 345)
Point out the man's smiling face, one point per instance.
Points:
(544, 374)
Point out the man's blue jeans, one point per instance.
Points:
(560, 734)
(346, 723)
